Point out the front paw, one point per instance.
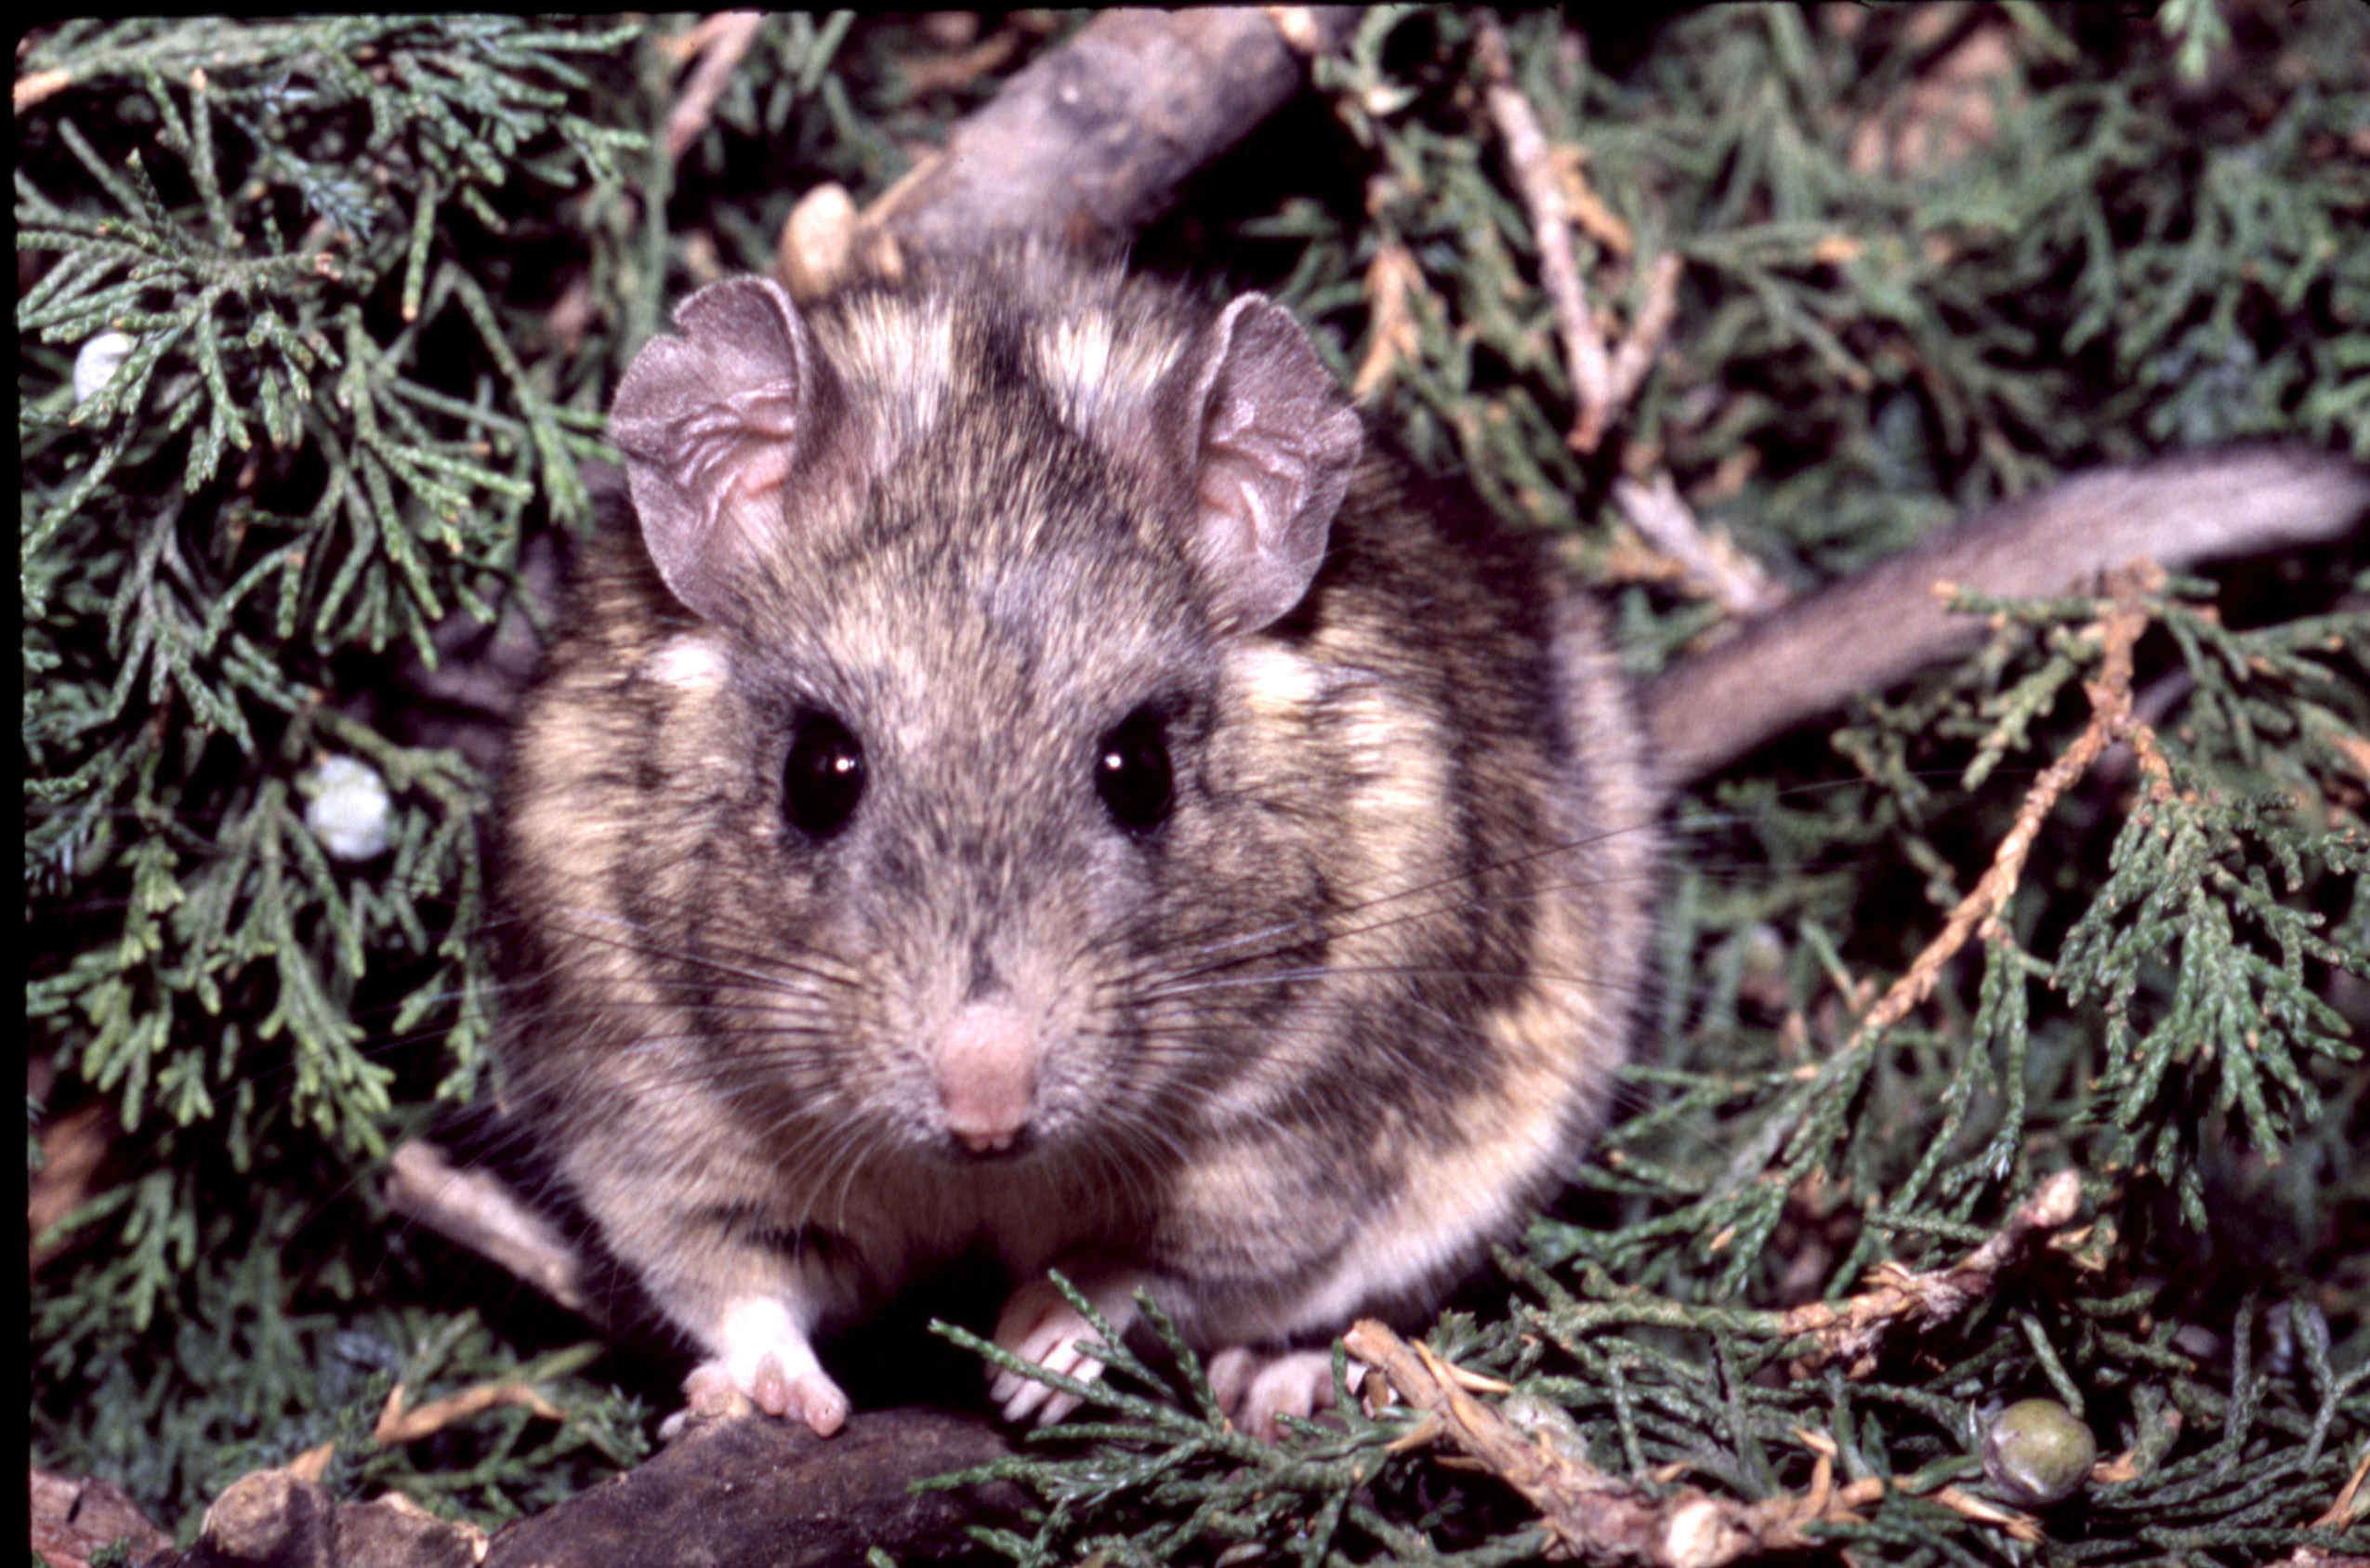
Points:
(1040, 1325)
(1259, 1390)
(767, 1360)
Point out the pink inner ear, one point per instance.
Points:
(742, 449)
(1247, 495)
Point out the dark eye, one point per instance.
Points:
(1132, 772)
(824, 777)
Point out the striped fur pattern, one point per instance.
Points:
(1303, 1047)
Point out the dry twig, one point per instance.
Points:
(1594, 1517)
(1714, 568)
(1851, 1329)
(2111, 720)
(30, 90)
(1393, 283)
(398, 1425)
(474, 1208)
(950, 72)
(1603, 383)
(720, 41)
(73, 1149)
(2344, 1511)
(1600, 1519)
(1534, 176)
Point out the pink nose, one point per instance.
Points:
(986, 1071)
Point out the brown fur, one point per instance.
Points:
(1305, 1050)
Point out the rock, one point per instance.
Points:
(73, 1517)
(276, 1519)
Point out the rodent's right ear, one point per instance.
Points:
(1266, 440)
(723, 431)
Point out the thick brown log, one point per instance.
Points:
(753, 1492)
(1091, 141)
(748, 1492)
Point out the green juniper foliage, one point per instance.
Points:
(316, 324)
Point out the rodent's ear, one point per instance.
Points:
(722, 430)
(1271, 441)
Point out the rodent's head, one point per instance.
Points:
(947, 730)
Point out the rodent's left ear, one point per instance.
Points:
(1270, 438)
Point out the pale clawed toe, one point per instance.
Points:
(1257, 1391)
(1040, 1325)
(768, 1362)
